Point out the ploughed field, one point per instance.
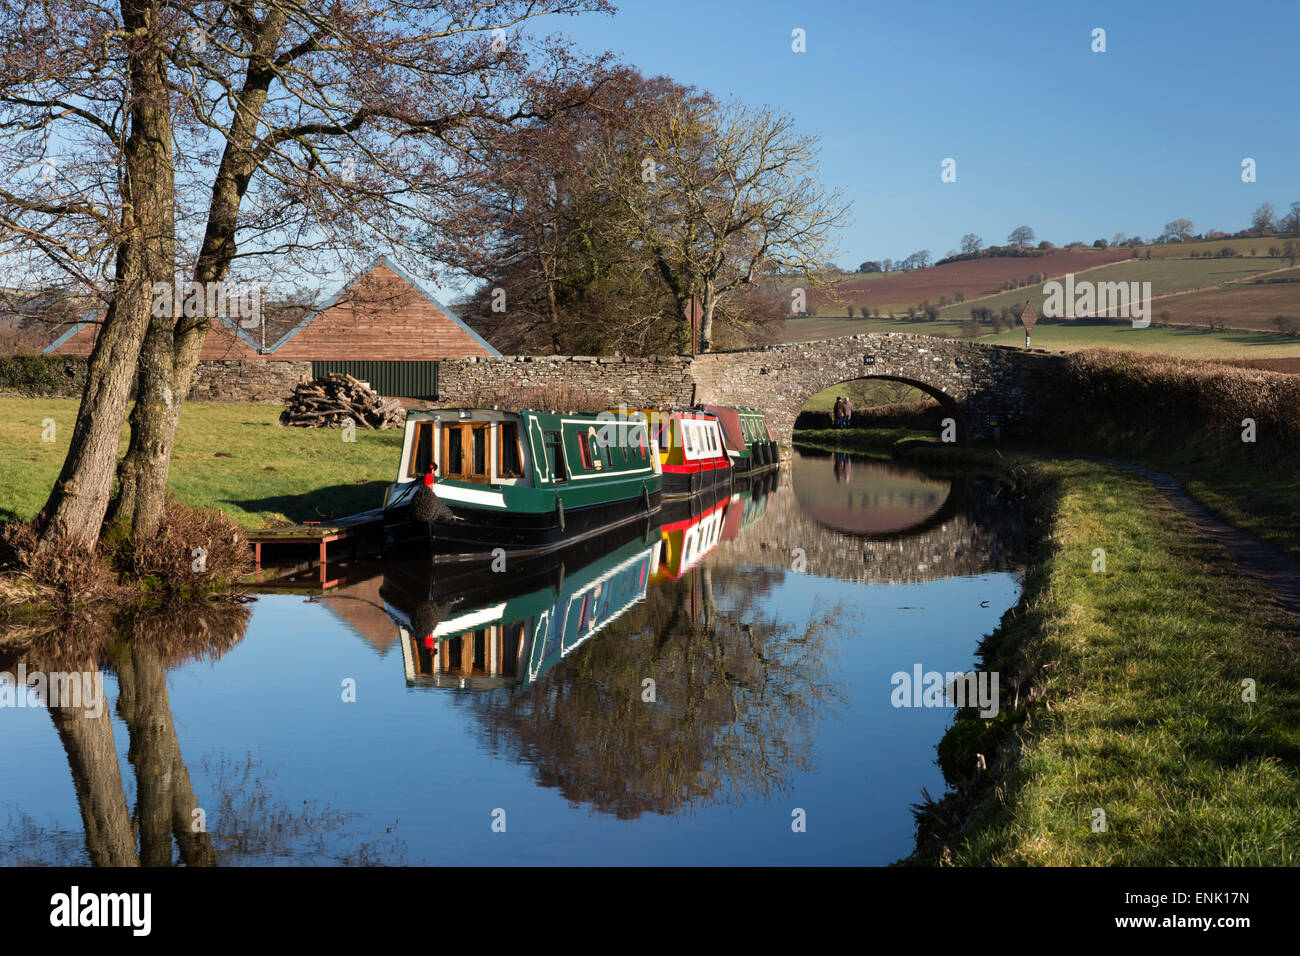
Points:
(1167, 277)
(974, 278)
(1250, 304)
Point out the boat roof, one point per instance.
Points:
(478, 414)
(492, 414)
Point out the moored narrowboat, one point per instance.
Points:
(749, 441)
(474, 480)
(692, 454)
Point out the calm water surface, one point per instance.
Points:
(671, 694)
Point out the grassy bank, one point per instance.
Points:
(1129, 688)
(232, 457)
(1122, 690)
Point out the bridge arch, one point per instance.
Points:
(984, 385)
(951, 406)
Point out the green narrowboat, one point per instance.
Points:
(748, 439)
(475, 480)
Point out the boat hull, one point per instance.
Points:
(683, 484)
(474, 535)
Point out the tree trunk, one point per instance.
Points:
(92, 758)
(77, 504)
(554, 317)
(706, 323)
(142, 474)
(143, 705)
(173, 345)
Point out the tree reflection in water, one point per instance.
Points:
(169, 824)
(738, 696)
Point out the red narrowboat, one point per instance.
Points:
(692, 450)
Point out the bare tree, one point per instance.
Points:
(558, 273)
(300, 135)
(971, 243)
(722, 196)
(86, 163)
(1179, 230)
(1290, 223)
(1261, 221)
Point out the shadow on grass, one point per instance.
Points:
(318, 504)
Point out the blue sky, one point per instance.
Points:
(1076, 144)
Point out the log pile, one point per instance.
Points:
(333, 401)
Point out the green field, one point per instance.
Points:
(1167, 276)
(1242, 247)
(272, 474)
(863, 393)
(1181, 342)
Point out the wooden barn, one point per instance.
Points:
(382, 326)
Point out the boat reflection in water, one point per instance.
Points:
(516, 624)
(482, 630)
(692, 530)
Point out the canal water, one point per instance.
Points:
(716, 689)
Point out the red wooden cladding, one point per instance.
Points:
(381, 317)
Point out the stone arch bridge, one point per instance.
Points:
(983, 385)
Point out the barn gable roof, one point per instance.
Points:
(243, 334)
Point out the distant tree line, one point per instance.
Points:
(1265, 221)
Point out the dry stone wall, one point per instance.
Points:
(984, 386)
(650, 382)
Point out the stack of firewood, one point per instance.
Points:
(333, 401)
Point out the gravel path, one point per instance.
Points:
(1279, 572)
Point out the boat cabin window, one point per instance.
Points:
(465, 452)
(510, 463)
(453, 451)
(555, 456)
(422, 452)
(478, 460)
